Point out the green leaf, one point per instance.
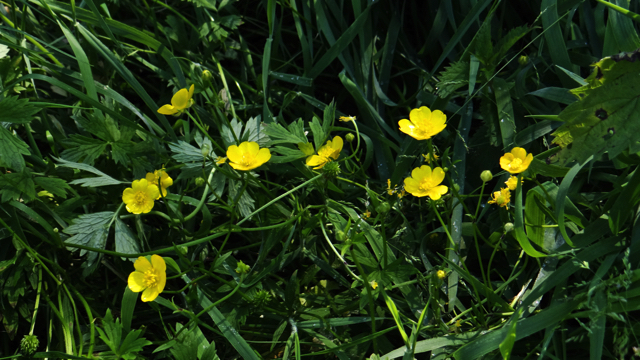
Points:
(90, 230)
(452, 78)
(289, 155)
(319, 135)
(102, 180)
(533, 215)
(17, 111)
(506, 42)
(184, 152)
(57, 187)
(280, 135)
(83, 149)
(126, 241)
(604, 120)
(17, 186)
(11, 150)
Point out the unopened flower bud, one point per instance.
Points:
(523, 60)
(486, 176)
(350, 137)
(340, 236)
(242, 268)
(207, 77)
(456, 187)
(205, 149)
(445, 169)
(508, 227)
(184, 250)
(199, 181)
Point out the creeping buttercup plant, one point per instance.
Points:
(354, 180)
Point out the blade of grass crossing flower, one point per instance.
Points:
(128, 76)
(461, 30)
(555, 41)
(563, 191)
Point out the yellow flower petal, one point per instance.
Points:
(234, 154)
(317, 161)
(136, 281)
(150, 294)
(167, 110)
(180, 100)
(263, 156)
(158, 263)
(128, 195)
(247, 156)
(426, 182)
(424, 123)
(142, 264)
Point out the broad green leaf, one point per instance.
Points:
(11, 150)
(17, 186)
(534, 217)
(90, 230)
(55, 186)
(279, 135)
(82, 148)
(605, 119)
(17, 111)
(126, 241)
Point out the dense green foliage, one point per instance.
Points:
(287, 261)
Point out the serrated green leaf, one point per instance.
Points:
(245, 204)
(17, 186)
(453, 78)
(83, 149)
(279, 135)
(227, 133)
(120, 151)
(254, 131)
(507, 41)
(184, 152)
(319, 135)
(55, 186)
(126, 241)
(102, 180)
(605, 119)
(17, 111)
(90, 230)
(11, 150)
(289, 155)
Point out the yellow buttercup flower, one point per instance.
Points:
(374, 284)
(327, 152)
(501, 198)
(426, 182)
(424, 123)
(179, 102)
(149, 277)
(162, 177)
(247, 156)
(441, 274)
(516, 161)
(512, 183)
(140, 196)
(347, 118)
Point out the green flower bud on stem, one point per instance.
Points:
(205, 149)
(199, 181)
(29, 344)
(508, 227)
(383, 208)
(207, 77)
(523, 60)
(486, 176)
(350, 137)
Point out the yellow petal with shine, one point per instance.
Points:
(249, 147)
(437, 175)
(128, 195)
(180, 100)
(142, 264)
(136, 281)
(421, 172)
(519, 153)
(234, 154)
(158, 263)
(167, 110)
(420, 116)
(406, 126)
(150, 294)
(263, 156)
(438, 118)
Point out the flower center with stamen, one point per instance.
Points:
(515, 164)
(247, 159)
(140, 198)
(150, 278)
